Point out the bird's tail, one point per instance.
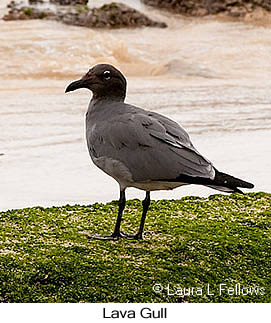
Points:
(227, 183)
(222, 182)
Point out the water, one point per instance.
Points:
(212, 76)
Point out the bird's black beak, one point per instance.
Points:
(76, 85)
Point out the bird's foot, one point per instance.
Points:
(115, 237)
(103, 237)
(137, 236)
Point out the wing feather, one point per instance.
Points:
(150, 145)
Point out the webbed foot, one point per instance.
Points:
(96, 236)
(128, 236)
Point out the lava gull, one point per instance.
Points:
(141, 148)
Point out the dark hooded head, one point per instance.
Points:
(104, 80)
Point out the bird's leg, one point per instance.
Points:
(121, 203)
(139, 234)
(116, 233)
(145, 204)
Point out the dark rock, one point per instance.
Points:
(117, 15)
(26, 13)
(69, 2)
(34, 2)
(234, 8)
(114, 15)
(12, 4)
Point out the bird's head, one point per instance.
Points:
(104, 80)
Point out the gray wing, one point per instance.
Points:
(150, 145)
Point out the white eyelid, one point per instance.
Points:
(107, 75)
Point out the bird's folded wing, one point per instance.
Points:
(152, 147)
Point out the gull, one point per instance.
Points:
(140, 148)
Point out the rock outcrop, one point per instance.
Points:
(19, 12)
(234, 8)
(114, 15)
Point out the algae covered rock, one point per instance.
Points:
(46, 255)
(18, 12)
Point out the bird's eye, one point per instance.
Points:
(107, 75)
